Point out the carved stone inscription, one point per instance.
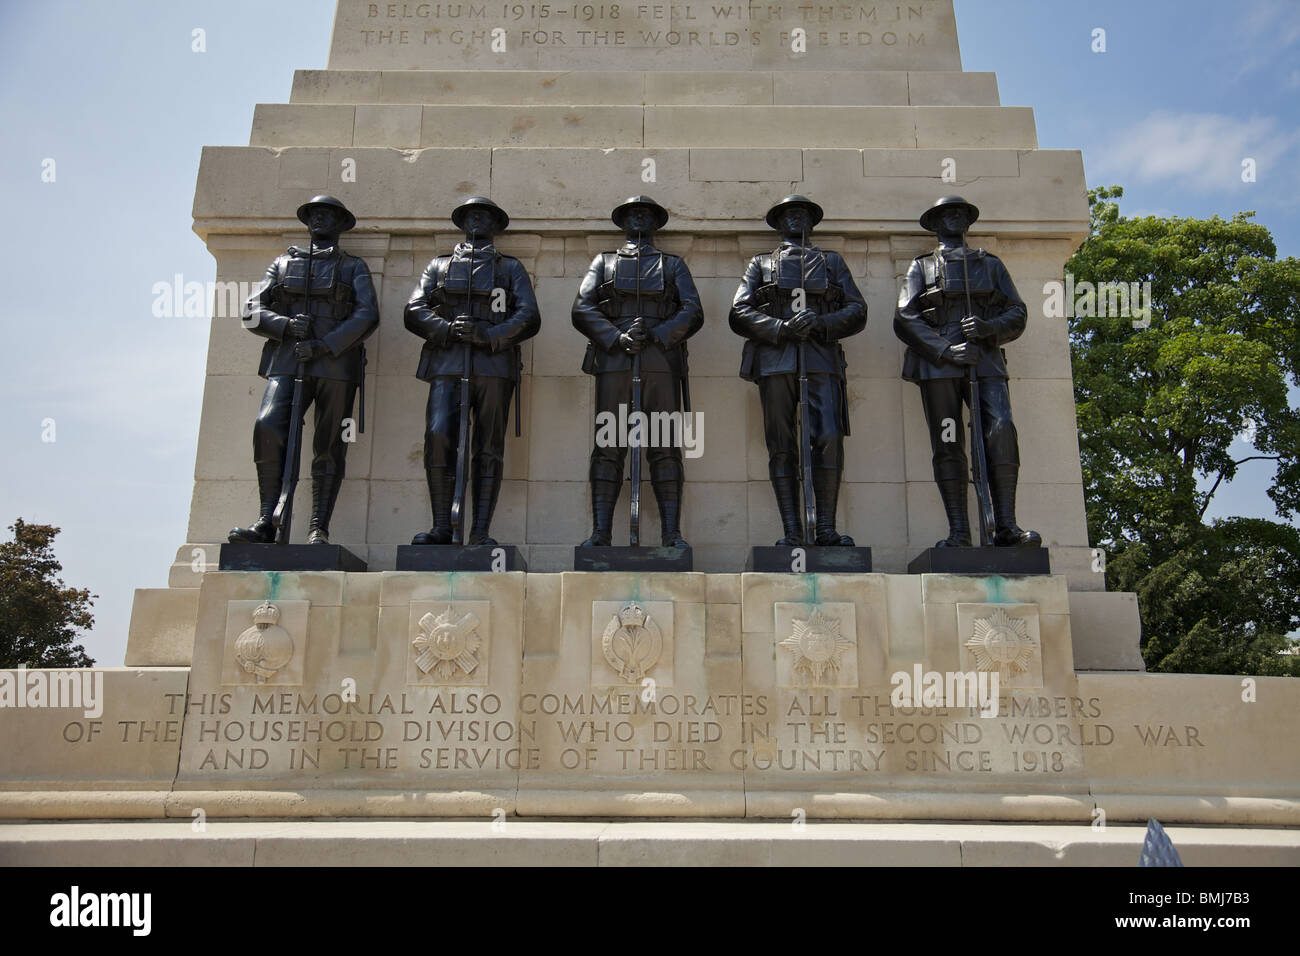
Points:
(504, 34)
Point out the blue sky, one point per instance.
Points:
(113, 93)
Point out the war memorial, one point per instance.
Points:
(489, 229)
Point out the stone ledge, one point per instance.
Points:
(609, 126)
(563, 843)
(666, 88)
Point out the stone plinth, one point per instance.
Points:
(470, 694)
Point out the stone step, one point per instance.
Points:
(853, 127)
(563, 843)
(723, 88)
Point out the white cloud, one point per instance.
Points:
(1202, 152)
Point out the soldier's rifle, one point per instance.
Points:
(634, 518)
(282, 517)
(805, 440)
(462, 434)
(979, 456)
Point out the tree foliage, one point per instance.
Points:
(39, 616)
(1159, 409)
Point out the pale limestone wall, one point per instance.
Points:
(559, 141)
(889, 502)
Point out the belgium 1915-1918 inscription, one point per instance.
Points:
(528, 34)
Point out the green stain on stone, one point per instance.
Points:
(273, 579)
(995, 588)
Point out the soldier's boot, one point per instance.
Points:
(324, 492)
(666, 476)
(606, 484)
(1002, 484)
(826, 487)
(953, 493)
(786, 488)
(442, 485)
(262, 531)
(487, 487)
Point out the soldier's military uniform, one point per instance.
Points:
(494, 291)
(761, 310)
(931, 307)
(343, 310)
(637, 280)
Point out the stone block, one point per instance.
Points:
(984, 127)
(708, 89)
(552, 126)
(738, 126)
(83, 746)
(276, 124)
(525, 88)
(1107, 631)
(387, 126)
(337, 86)
(746, 165)
(161, 632)
(883, 88)
(941, 88)
(968, 165)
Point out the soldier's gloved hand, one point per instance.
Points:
(309, 350)
(633, 340)
(300, 327)
(469, 332)
(974, 327)
(962, 353)
(800, 326)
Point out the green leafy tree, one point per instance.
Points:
(39, 616)
(1159, 408)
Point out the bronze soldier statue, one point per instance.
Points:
(958, 306)
(315, 308)
(794, 305)
(472, 308)
(638, 306)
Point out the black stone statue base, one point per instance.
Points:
(813, 560)
(451, 557)
(1007, 561)
(288, 557)
(633, 559)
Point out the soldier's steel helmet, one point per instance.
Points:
(930, 218)
(642, 202)
(814, 211)
(304, 210)
(479, 202)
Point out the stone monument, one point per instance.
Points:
(554, 693)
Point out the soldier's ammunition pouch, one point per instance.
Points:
(452, 294)
(328, 301)
(783, 274)
(946, 279)
(617, 297)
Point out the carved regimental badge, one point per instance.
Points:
(1001, 643)
(447, 645)
(816, 646)
(265, 648)
(632, 643)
